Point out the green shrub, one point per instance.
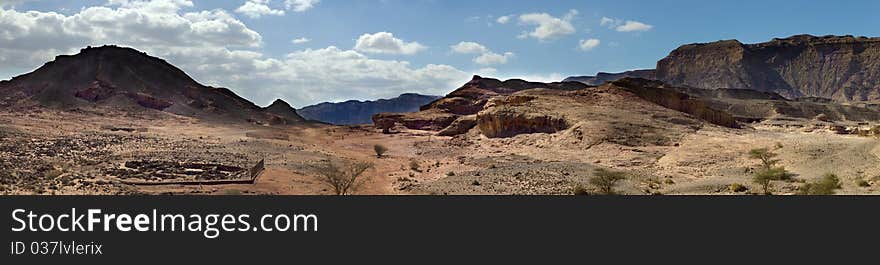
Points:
(736, 187)
(862, 183)
(764, 176)
(380, 150)
(766, 157)
(824, 186)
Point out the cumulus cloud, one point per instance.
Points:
(485, 57)
(588, 44)
(300, 5)
(503, 19)
(548, 27)
(491, 58)
(624, 26)
(216, 49)
(468, 47)
(300, 40)
(385, 42)
(258, 8)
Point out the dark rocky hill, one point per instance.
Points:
(361, 112)
(126, 79)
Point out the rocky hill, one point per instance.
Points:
(509, 108)
(464, 101)
(126, 79)
(842, 68)
(361, 112)
(602, 77)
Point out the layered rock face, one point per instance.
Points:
(842, 68)
(658, 93)
(126, 79)
(360, 112)
(630, 111)
(466, 100)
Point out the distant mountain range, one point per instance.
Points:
(842, 68)
(111, 77)
(360, 112)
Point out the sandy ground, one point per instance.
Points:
(703, 162)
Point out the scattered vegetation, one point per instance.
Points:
(764, 176)
(768, 171)
(343, 179)
(380, 150)
(605, 180)
(414, 166)
(766, 157)
(862, 183)
(736, 187)
(450, 174)
(825, 186)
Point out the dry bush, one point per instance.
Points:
(344, 179)
(605, 180)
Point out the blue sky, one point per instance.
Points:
(367, 49)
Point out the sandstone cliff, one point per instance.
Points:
(843, 68)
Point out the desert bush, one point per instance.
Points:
(766, 157)
(343, 179)
(414, 166)
(669, 182)
(862, 183)
(605, 180)
(824, 186)
(380, 150)
(736, 187)
(764, 176)
(450, 174)
(579, 190)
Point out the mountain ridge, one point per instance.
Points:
(123, 78)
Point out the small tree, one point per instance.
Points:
(380, 150)
(766, 157)
(605, 180)
(825, 186)
(764, 176)
(343, 179)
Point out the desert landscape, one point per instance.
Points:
(798, 115)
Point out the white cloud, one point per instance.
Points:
(300, 5)
(588, 44)
(385, 42)
(633, 26)
(485, 57)
(300, 40)
(624, 26)
(215, 49)
(467, 47)
(545, 78)
(503, 19)
(258, 8)
(491, 58)
(548, 27)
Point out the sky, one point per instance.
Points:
(311, 51)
